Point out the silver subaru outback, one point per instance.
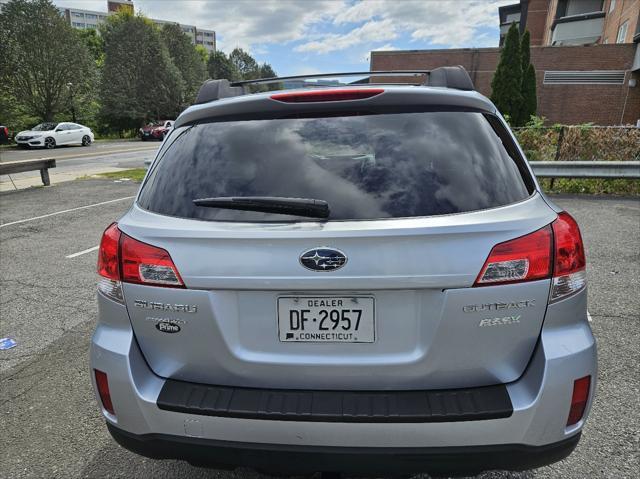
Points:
(360, 279)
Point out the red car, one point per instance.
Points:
(156, 130)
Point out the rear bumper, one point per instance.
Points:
(308, 459)
(534, 434)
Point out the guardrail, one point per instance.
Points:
(43, 164)
(576, 169)
(587, 169)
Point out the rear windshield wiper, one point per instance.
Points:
(269, 204)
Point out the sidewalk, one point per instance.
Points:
(32, 178)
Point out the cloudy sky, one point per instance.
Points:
(308, 36)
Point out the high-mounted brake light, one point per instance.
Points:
(526, 258)
(569, 268)
(124, 259)
(327, 95)
(102, 384)
(579, 399)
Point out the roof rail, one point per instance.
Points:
(212, 90)
(449, 77)
(264, 81)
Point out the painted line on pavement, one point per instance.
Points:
(589, 317)
(80, 253)
(65, 211)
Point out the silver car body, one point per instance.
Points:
(434, 331)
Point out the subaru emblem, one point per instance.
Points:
(323, 259)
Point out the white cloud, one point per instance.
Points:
(326, 26)
(249, 24)
(384, 48)
(445, 22)
(371, 31)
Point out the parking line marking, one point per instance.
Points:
(65, 211)
(589, 318)
(84, 251)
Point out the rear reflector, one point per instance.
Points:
(527, 258)
(103, 390)
(579, 399)
(327, 95)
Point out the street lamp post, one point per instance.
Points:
(73, 106)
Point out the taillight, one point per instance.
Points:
(327, 95)
(569, 268)
(102, 384)
(527, 258)
(579, 399)
(554, 251)
(124, 259)
(146, 264)
(109, 264)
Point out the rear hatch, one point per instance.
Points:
(417, 202)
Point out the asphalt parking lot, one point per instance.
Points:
(51, 426)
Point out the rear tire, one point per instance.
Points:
(49, 143)
(86, 140)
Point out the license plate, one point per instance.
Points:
(326, 319)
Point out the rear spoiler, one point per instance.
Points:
(455, 77)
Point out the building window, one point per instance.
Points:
(208, 43)
(78, 15)
(622, 32)
(612, 6)
(91, 16)
(207, 34)
(78, 25)
(92, 25)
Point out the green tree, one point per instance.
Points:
(266, 71)
(40, 55)
(245, 65)
(186, 59)
(204, 54)
(507, 82)
(220, 67)
(529, 105)
(139, 80)
(94, 43)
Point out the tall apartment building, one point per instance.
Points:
(573, 22)
(81, 19)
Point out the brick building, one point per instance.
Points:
(586, 72)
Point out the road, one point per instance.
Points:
(77, 161)
(51, 426)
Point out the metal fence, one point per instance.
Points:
(580, 143)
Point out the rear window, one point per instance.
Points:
(365, 167)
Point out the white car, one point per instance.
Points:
(50, 135)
